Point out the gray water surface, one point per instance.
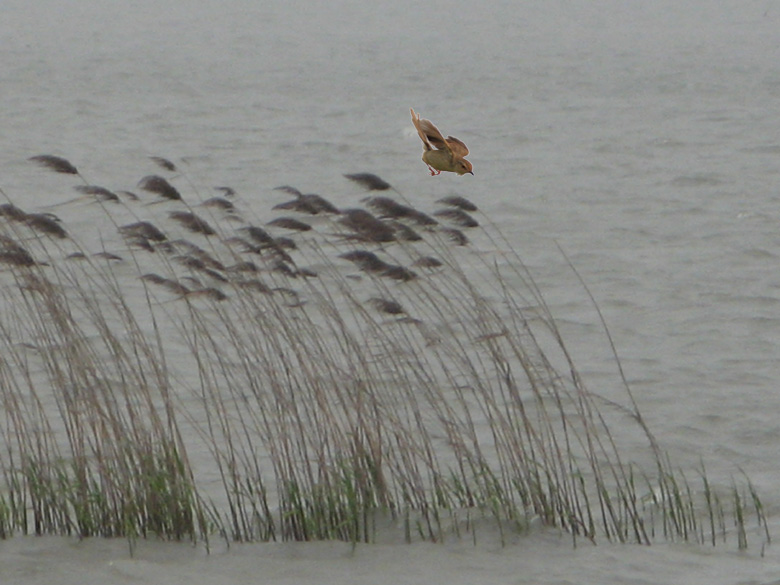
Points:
(641, 138)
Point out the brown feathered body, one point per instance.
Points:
(439, 153)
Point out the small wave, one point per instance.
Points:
(697, 180)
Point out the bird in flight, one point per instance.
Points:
(439, 153)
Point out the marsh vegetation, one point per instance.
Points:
(319, 373)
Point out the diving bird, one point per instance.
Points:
(439, 153)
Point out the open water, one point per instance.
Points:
(643, 138)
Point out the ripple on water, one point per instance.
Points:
(698, 180)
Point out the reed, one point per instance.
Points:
(311, 388)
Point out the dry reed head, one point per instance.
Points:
(403, 233)
(198, 265)
(366, 226)
(129, 195)
(267, 246)
(459, 202)
(427, 262)
(298, 205)
(370, 262)
(285, 243)
(398, 273)
(164, 163)
(15, 256)
(319, 203)
(227, 191)
(290, 224)
(252, 285)
(259, 235)
(192, 222)
(387, 207)
(369, 181)
(386, 306)
(12, 212)
(365, 260)
(289, 189)
(143, 229)
(276, 254)
(458, 217)
(242, 266)
(421, 218)
(169, 284)
(140, 242)
(242, 245)
(283, 267)
(108, 256)
(310, 203)
(55, 163)
(210, 293)
(219, 203)
(100, 193)
(207, 259)
(47, 224)
(456, 236)
(153, 278)
(160, 186)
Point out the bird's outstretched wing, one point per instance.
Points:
(458, 149)
(429, 133)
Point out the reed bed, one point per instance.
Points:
(329, 373)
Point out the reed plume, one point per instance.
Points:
(252, 284)
(129, 195)
(403, 233)
(143, 229)
(458, 217)
(369, 181)
(456, 236)
(459, 202)
(226, 191)
(310, 203)
(388, 306)
(164, 163)
(290, 224)
(259, 235)
(198, 265)
(210, 293)
(100, 193)
(219, 203)
(12, 212)
(365, 226)
(387, 207)
(55, 163)
(397, 272)
(192, 222)
(167, 283)
(427, 262)
(160, 186)
(14, 254)
(46, 223)
(365, 260)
